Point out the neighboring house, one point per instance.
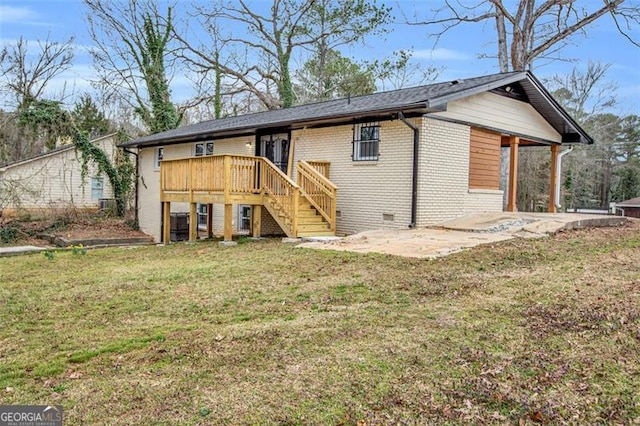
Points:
(405, 158)
(629, 208)
(53, 181)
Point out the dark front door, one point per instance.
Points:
(276, 149)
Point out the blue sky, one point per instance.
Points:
(457, 52)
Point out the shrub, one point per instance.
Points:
(8, 234)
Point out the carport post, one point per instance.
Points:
(514, 142)
(553, 181)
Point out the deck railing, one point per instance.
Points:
(233, 175)
(320, 191)
(214, 173)
(321, 166)
(283, 192)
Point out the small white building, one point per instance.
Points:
(52, 182)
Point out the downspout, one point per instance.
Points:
(135, 203)
(559, 175)
(414, 180)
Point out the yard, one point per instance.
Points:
(525, 331)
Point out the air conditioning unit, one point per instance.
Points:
(107, 205)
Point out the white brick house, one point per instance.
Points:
(53, 181)
(406, 158)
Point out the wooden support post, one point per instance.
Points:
(296, 209)
(514, 143)
(553, 181)
(209, 220)
(228, 222)
(227, 181)
(166, 222)
(290, 162)
(193, 222)
(256, 221)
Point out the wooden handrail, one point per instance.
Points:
(322, 166)
(283, 192)
(244, 174)
(213, 173)
(320, 191)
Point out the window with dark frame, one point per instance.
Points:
(203, 148)
(366, 141)
(159, 157)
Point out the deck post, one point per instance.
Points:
(296, 208)
(166, 222)
(193, 222)
(514, 142)
(256, 220)
(228, 223)
(209, 220)
(227, 182)
(553, 181)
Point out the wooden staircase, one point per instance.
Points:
(302, 209)
(305, 209)
(309, 222)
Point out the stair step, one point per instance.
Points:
(311, 220)
(313, 227)
(308, 213)
(316, 234)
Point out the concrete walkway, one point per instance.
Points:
(464, 232)
(15, 251)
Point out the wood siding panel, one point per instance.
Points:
(484, 159)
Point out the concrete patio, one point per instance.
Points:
(458, 234)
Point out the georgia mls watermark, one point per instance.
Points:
(30, 415)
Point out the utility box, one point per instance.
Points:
(179, 226)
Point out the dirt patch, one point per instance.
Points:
(42, 232)
(105, 228)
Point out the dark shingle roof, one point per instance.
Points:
(422, 98)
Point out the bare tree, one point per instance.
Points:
(259, 59)
(25, 74)
(585, 93)
(132, 43)
(527, 30)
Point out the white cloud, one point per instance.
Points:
(13, 14)
(441, 54)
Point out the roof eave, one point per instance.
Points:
(517, 77)
(244, 130)
(584, 136)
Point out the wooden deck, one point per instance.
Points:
(305, 208)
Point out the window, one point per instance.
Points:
(97, 188)
(158, 157)
(366, 142)
(203, 148)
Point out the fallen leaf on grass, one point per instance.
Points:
(536, 416)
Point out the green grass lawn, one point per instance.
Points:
(265, 333)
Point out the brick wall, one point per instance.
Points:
(371, 194)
